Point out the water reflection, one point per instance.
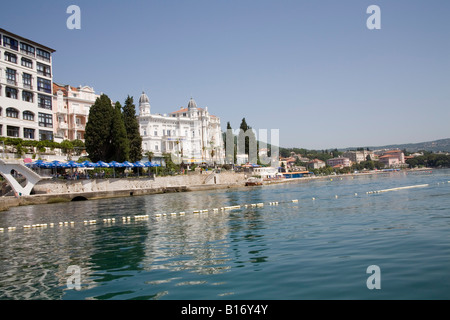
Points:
(214, 254)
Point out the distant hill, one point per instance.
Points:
(434, 146)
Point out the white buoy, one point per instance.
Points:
(336, 196)
(356, 194)
(314, 198)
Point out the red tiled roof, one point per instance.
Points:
(183, 110)
(57, 87)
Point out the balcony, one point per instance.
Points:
(80, 111)
(63, 125)
(80, 127)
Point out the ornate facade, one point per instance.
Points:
(190, 134)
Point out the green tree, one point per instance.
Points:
(149, 155)
(105, 136)
(132, 129)
(249, 138)
(120, 149)
(67, 148)
(98, 129)
(230, 156)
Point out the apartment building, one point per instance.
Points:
(339, 161)
(25, 88)
(392, 158)
(359, 156)
(316, 164)
(71, 107)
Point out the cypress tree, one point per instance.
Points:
(132, 129)
(105, 135)
(98, 129)
(249, 137)
(119, 148)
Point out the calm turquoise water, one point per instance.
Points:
(313, 249)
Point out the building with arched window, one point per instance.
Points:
(71, 107)
(190, 134)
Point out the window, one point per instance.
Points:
(156, 133)
(28, 115)
(156, 147)
(27, 80)
(27, 96)
(12, 131)
(45, 120)
(10, 43)
(45, 135)
(42, 54)
(12, 113)
(11, 93)
(44, 101)
(27, 63)
(11, 76)
(43, 69)
(11, 57)
(28, 133)
(44, 85)
(27, 49)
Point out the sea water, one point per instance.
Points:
(319, 247)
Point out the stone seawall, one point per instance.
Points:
(136, 184)
(48, 191)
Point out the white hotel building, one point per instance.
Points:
(190, 134)
(25, 88)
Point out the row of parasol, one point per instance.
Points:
(89, 164)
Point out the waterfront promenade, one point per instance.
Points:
(58, 190)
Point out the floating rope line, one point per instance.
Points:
(196, 212)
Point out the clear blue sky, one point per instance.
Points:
(309, 68)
